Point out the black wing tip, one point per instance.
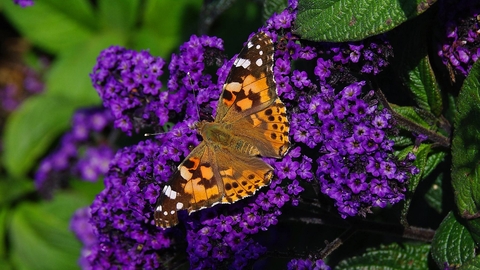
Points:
(164, 219)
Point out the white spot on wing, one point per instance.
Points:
(249, 44)
(240, 62)
(259, 62)
(167, 190)
(165, 213)
(159, 208)
(172, 212)
(179, 205)
(258, 46)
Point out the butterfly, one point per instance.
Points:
(251, 121)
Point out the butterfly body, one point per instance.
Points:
(221, 138)
(251, 121)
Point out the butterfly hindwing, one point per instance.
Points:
(241, 175)
(195, 185)
(266, 129)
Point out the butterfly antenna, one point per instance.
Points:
(152, 134)
(194, 95)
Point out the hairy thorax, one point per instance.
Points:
(220, 136)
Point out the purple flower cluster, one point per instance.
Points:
(189, 84)
(225, 232)
(368, 56)
(83, 152)
(128, 83)
(122, 213)
(459, 49)
(23, 3)
(84, 231)
(357, 168)
(348, 133)
(307, 264)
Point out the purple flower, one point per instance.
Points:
(357, 183)
(356, 52)
(355, 151)
(300, 79)
(278, 197)
(128, 83)
(130, 225)
(287, 168)
(305, 169)
(459, 47)
(23, 3)
(322, 70)
(307, 264)
(283, 20)
(79, 154)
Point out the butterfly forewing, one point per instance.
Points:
(250, 85)
(251, 120)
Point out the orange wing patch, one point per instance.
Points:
(245, 183)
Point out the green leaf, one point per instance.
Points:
(87, 189)
(466, 146)
(69, 75)
(424, 87)
(427, 159)
(413, 115)
(344, 20)
(51, 24)
(12, 189)
(473, 264)
(162, 23)
(420, 162)
(39, 234)
(149, 39)
(6, 265)
(434, 159)
(272, 6)
(118, 15)
(434, 196)
(401, 140)
(452, 243)
(31, 129)
(394, 256)
(4, 211)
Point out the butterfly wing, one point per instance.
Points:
(249, 100)
(195, 185)
(267, 130)
(255, 116)
(241, 175)
(207, 177)
(250, 86)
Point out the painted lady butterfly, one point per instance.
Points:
(251, 121)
